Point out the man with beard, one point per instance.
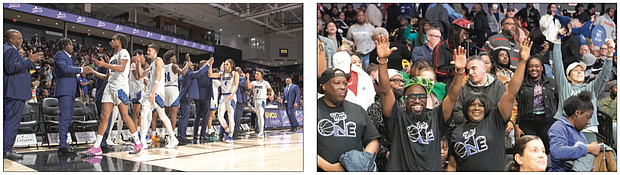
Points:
(505, 40)
(443, 54)
(342, 126)
(415, 132)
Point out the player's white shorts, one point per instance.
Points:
(135, 98)
(115, 96)
(214, 103)
(171, 97)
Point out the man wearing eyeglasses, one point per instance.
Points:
(433, 36)
(415, 132)
(507, 39)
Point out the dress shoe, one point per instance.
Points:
(12, 155)
(195, 140)
(293, 129)
(66, 151)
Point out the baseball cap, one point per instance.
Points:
(342, 61)
(393, 72)
(425, 83)
(326, 76)
(464, 23)
(573, 65)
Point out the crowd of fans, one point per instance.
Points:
(566, 78)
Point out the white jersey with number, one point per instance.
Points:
(260, 88)
(227, 82)
(151, 80)
(170, 77)
(119, 80)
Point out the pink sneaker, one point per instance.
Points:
(92, 151)
(136, 149)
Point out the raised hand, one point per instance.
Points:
(460, 58)
(187, 56)
(247, 75)
(383, 47)
(35, 57)
(210, 61)
(190, 64)
(611, 46)
(524, 49)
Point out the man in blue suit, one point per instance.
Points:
(66, 90)
(203, 103)
(188, 91)
(291, 101)
(16, 88)
(241, 98)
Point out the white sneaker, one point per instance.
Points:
(261, 135)
(172, 143)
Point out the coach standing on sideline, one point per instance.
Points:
(291, 99)
(16, 88)
(66, 89)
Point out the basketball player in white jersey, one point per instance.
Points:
(228, 101)
(153, 98)
(216, 83)
(137, 79)
(259, 88)
(115, 93)
(171, 90)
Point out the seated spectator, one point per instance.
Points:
(567, 141)
(520, 32)
(479, 81)
(501, 58)
(397, 57)
(571, 81)
(425, 52)
(375, 112)
(356, 61)
(609, 104)
(360, 88)
(409, 151)
(536, 102)
(479, 145)
(529, 155)
(334, 109)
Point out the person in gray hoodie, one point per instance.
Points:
(478, 81)
(570, 82)
(608, 23)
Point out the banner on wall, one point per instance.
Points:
(278, 118)
(54, 14)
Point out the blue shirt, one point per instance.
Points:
(565, 143)
(84, 88)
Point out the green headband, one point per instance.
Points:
(425, 83)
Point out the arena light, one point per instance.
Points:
(38, 20)
(14, 20)
(295, 62)
(89, 30)
(103, 33)
(220, 30)
(88, 34)
(73, 27)
(73, 40)
(18, 16)
(56, 23)
(142, 44)
(99, 45)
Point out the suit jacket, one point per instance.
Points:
(205, 89)
(293, 95)
(16, 74)
(189, 86)
(242, 90)
(66, 80)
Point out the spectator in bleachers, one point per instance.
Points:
(506, 40)
(529, 17)
(501, 60)
(331, 41)
(361, 35)
(520, 31)
(356, 61)
(341, 25)
(511, 12)
(528, 155)
(396, 58)
(425, 52)
(373, 72)
(588, 14)
(481, 24)
(360, 87)
(373, 15)
(443, 53)
(606, 20)
(537, 102)
(439, 17)
(495, 16)
(575, 82)
(419, 38)
(567, 139)
(609, 104)
(439, 88)
(393, 17)
(375, 112)
(479, 81)
(578, 10)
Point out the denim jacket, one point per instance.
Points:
(360, 161)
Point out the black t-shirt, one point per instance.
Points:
(342, 129)
(416, 144)
(480, 147)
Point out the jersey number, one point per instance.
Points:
(167, 76)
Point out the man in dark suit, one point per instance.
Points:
(188, 90)
(203, 104)
(66, 89)
(16, 88)
(291, 100)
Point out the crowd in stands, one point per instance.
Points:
(467, 60)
